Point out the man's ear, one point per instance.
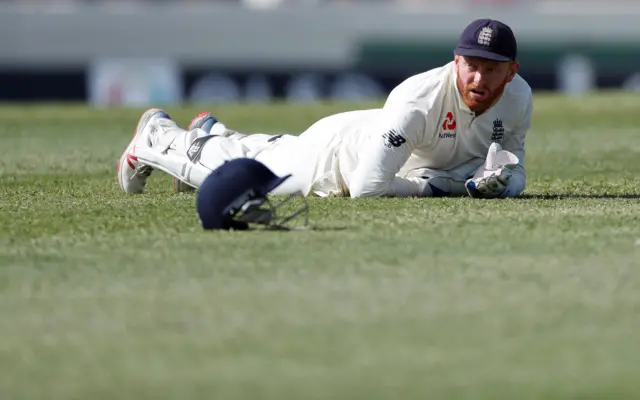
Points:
(514, 66)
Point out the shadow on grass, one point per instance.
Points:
(297, 229)
(561, 196)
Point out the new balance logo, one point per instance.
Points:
(393, 139)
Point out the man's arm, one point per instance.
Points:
(515, 144)
(386, 151)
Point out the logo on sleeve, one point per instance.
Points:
(393, 139)
(498, 131)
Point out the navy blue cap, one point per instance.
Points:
(488, 38)
(224, 186)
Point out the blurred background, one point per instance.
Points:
(154, 52)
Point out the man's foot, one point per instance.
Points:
(204, 121)
(132, 174)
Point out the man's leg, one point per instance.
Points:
(284, 154)
(310, 158)
(288, 155)
(307, 158)
(208, 123)
(253, 141)
(160, 144)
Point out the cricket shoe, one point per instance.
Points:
(132, 174)
(204, 121)
(208, 123)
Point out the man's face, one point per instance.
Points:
(481, 81)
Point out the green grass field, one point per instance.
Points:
(108, 296)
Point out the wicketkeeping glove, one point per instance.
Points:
(492, 179)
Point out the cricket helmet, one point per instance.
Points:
(235, 195)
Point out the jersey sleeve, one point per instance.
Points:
(515, 143)
(390, 143)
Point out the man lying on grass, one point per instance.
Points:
(455, 130)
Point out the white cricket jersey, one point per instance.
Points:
(423, 124)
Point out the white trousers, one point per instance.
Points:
(282, 154)
(191, 155)
(307, 158)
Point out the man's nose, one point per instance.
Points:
(477, 78)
